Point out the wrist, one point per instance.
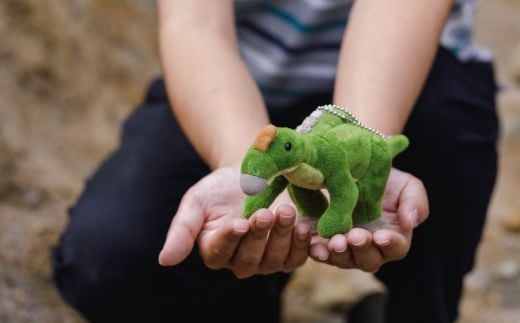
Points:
(232, 150)
(232, 162)
(232, 156)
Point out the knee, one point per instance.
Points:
(102, 262)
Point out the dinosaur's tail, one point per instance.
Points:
(398, 144)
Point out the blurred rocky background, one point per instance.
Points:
(71, 70)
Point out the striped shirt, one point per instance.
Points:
(291, 46)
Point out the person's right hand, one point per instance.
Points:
(211, 214)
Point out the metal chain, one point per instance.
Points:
(349, 117)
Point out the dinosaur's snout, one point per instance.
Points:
(252, 185)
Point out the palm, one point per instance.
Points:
(222, 202)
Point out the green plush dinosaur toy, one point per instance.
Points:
(331, 149)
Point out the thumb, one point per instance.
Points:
(413, 204)
(183, 231)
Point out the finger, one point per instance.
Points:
(251, 248)
(319, 251)
(392, 245)
(183, 231)
(279, 242)
(339, 255)
(343, 260)
(221, 246)
(338, 243)
(301, 240)
(312, 224)
(413, 204)
(315, 238)
(367, 256)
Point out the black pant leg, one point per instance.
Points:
(453, 132)
(106, 264)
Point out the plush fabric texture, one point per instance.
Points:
(352, 163)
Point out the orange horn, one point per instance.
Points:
(265, 138)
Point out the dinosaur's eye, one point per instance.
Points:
(288, 146)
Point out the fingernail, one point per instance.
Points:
(285, 220)
(241, 228)
(359, 243)
(340, 250)
(262, 224)
(323, 256)
(414, 218)
(319, 252)
(302, 234)
(384, 243)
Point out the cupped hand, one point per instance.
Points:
(405, 206)
(211, 214)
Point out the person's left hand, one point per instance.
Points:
(405, 206)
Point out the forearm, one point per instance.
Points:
(214, 97)
(386, 54)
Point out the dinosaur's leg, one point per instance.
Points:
(265, 198)
(343, 196)
(311, 203)
(372, 185)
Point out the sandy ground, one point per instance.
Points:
(72, 70)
